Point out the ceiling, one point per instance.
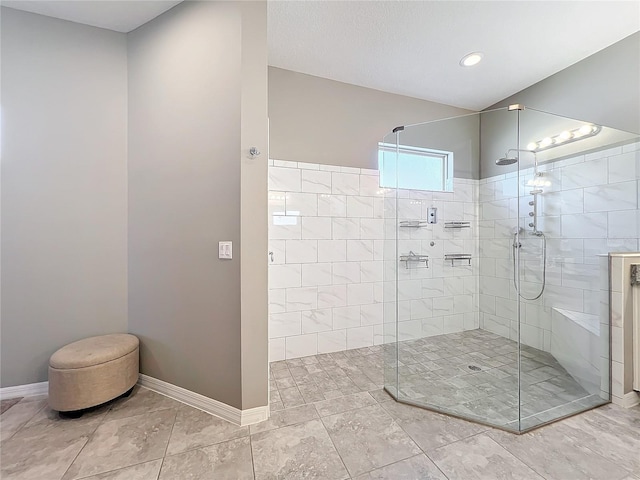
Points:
(414, 47)
(409, 47)
(118, 15)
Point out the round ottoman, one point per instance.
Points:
(92, 371)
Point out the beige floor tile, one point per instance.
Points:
(554, 453)
(224, 461)
(431, 430)
(43, 451)
(298, 451)
(17, 416)
(284, 418)
(194, 429)
(124, 442)
(368, 438)
(481, 458)
(140, 401)
(344, 404)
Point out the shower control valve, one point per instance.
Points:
(531, 214)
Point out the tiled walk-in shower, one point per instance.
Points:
(468, 274)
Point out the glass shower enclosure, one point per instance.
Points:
(498, 227)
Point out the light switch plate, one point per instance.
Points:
(225, 250)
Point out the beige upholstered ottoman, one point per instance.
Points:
(92, 371)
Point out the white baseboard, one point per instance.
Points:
(628, 400)
(27, 390)
(206, 404)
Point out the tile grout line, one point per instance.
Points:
(253, 463)
(200, 447)
(89, 437)
(26, 422)
(335, 448)
(175, 419)
(117, 469)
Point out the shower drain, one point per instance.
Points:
(474, 368)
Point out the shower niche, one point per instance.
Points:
(509, 325)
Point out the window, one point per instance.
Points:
(417, 169)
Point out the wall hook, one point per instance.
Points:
(254, 152)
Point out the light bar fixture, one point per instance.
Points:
(567, 136)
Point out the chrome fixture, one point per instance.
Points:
(413, 257)
(534, 214)
(432, 215)
(457, 256)
(457, 224)
(412, 223)
(516, 257)
(254, 152)
(506, 161)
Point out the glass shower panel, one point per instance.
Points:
(496, 286)
(445, 361)
(387, 154)
(498, 237)
(578, 201)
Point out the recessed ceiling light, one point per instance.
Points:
(471, 59)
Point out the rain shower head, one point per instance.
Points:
(506, 160)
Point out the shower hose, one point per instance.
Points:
(517, 245)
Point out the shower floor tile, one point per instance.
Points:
(478, 378)
(473, 374)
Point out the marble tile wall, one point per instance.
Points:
(332, 276)
(442, 298)
(331, 266)
(589, 207)
(326, 233)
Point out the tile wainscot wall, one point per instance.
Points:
(327, 272)
(335, 240)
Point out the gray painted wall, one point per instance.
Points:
(603, 88)
(64, 189)
(460, 135)
(191, 86)
(185, 87)
(316, 120)
(253, 201)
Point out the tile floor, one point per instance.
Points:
(330, 420)
(363, 435)
(435, 372)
